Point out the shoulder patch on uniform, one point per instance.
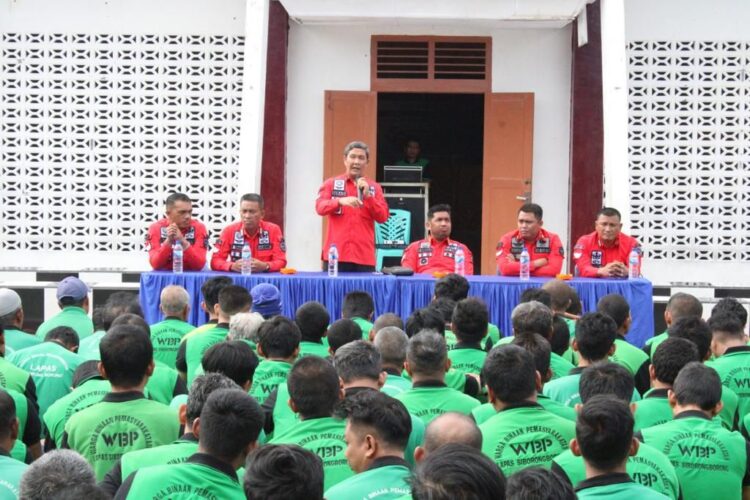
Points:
(282, 245)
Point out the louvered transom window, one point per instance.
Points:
(424, 64)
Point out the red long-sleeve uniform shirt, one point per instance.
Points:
(351, 229)
(160, 251)
(266, 245)
(547, 245)
(429, 255)
(590, 254)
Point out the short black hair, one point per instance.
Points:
(70, 301)
(210, 290)
(470, 318)
(532, 208)
(538, 294)
(540, 351)
(427, 353)
(560, 340)
(229, 412)
(313, 387)
(730, 305)
(440, 207)
(131, 319)
(535, 483)
(278, 337)
(695, 330)
(357, 304)
(64, 334)
(444, 307)
(608, 212)
(671, 356)
(343, 331)
(117, 304)
(201, 388)
(312, 318)
(234, 299)
(510, 372)
(452, 286)
(283, 472)
(126, 353)
(97, 317)
(595, 334)
(175, 197)
(424, 319)
(697, 384)
(233, 358)
(356, 360)
(7, 413)
(604, 431)
(615, 306)
(457, 472)
(682, 305)
(253, 197)
(575, 306)
(605, 378)
(726, 326)
(387, 417)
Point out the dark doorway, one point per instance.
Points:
(450, 131)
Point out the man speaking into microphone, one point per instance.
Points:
(353, 204)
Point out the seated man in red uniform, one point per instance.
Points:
(178, 225)
(353, 204)
(604, 253)
(545, 248)
(437, 251)
(266, 242)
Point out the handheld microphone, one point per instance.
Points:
(360, 189)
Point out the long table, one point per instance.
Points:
(401, 295)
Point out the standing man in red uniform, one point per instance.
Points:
(353, 204)
(436, 252)
(545, 248)
(604, 253)
(177, 226)
(266, 242)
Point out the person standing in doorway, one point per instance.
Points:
(413, 157)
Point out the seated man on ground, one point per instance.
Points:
(73, 300)
(60, 474)
(359, 307)
(11, 319)
(266, 300)
(312, 318)
(283, 472)
(279, 347)
(680, 305)
(449, 428)
(10, 468)
(392, 343)
(166, 335)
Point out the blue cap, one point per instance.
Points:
(72, 287)
(266, 300)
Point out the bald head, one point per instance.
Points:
(174, 300)
(392, 343)
(450, 428)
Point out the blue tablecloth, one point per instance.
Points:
(402, 295)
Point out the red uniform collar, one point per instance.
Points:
(433, 242)
(541, 234)
(614, 244)
(261, 225)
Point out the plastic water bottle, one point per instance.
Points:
(634, 264)
(177, 257)
(247, 260)
(333, 261)
(525, 261)
(460, 259)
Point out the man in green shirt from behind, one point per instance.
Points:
(116, 305)
(449, 428)
(14, 378)
(377, 430)
(392, 342)
(73, 299)
(604, 437)
(166, 335)
(469, 325)
(732, 356)
(230, 424)
(359, 307)
(635, 360)
(11, 469)
(210, 304)
(680, 305)
(283, 471)
(278, 345)
(314, 391)
(124, 420)
(711, 462)
(11, 319)
(426, 363)
(313, 319)
(522, 433)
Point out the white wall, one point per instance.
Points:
(338, 58)
(717, 20)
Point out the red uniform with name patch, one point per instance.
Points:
(590, 254)
(429, 255)
(266, 245)
(160, 251)
(547, 245)
(351, 229)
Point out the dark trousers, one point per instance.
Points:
(351, 267)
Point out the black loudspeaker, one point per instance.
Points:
(415, 205)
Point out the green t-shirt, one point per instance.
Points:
(364, 325)
(493, 332)
(486, 411)
(733, 368)
(174, 453)
(428, 400)
(166, 337)
(654, 342)
(564, 390)
(52, 367)
(11, 471)
(88, 349)
(654, 409)
(453, 379)
(200, 329)
(450, 340)
(269, 374)
(57, 415)
(314, 349)
(202, 476)
(628, 356)
(395, 385)
(649, 467)
(71, 316)
(12, 377)
(617, 486)
(467, 359)
(386, 479)
(324, 437)
(525, 435)
(711, 462)
(120, 423)
(161, 385)
(196, 346)
(16, 339)
(559, 365)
